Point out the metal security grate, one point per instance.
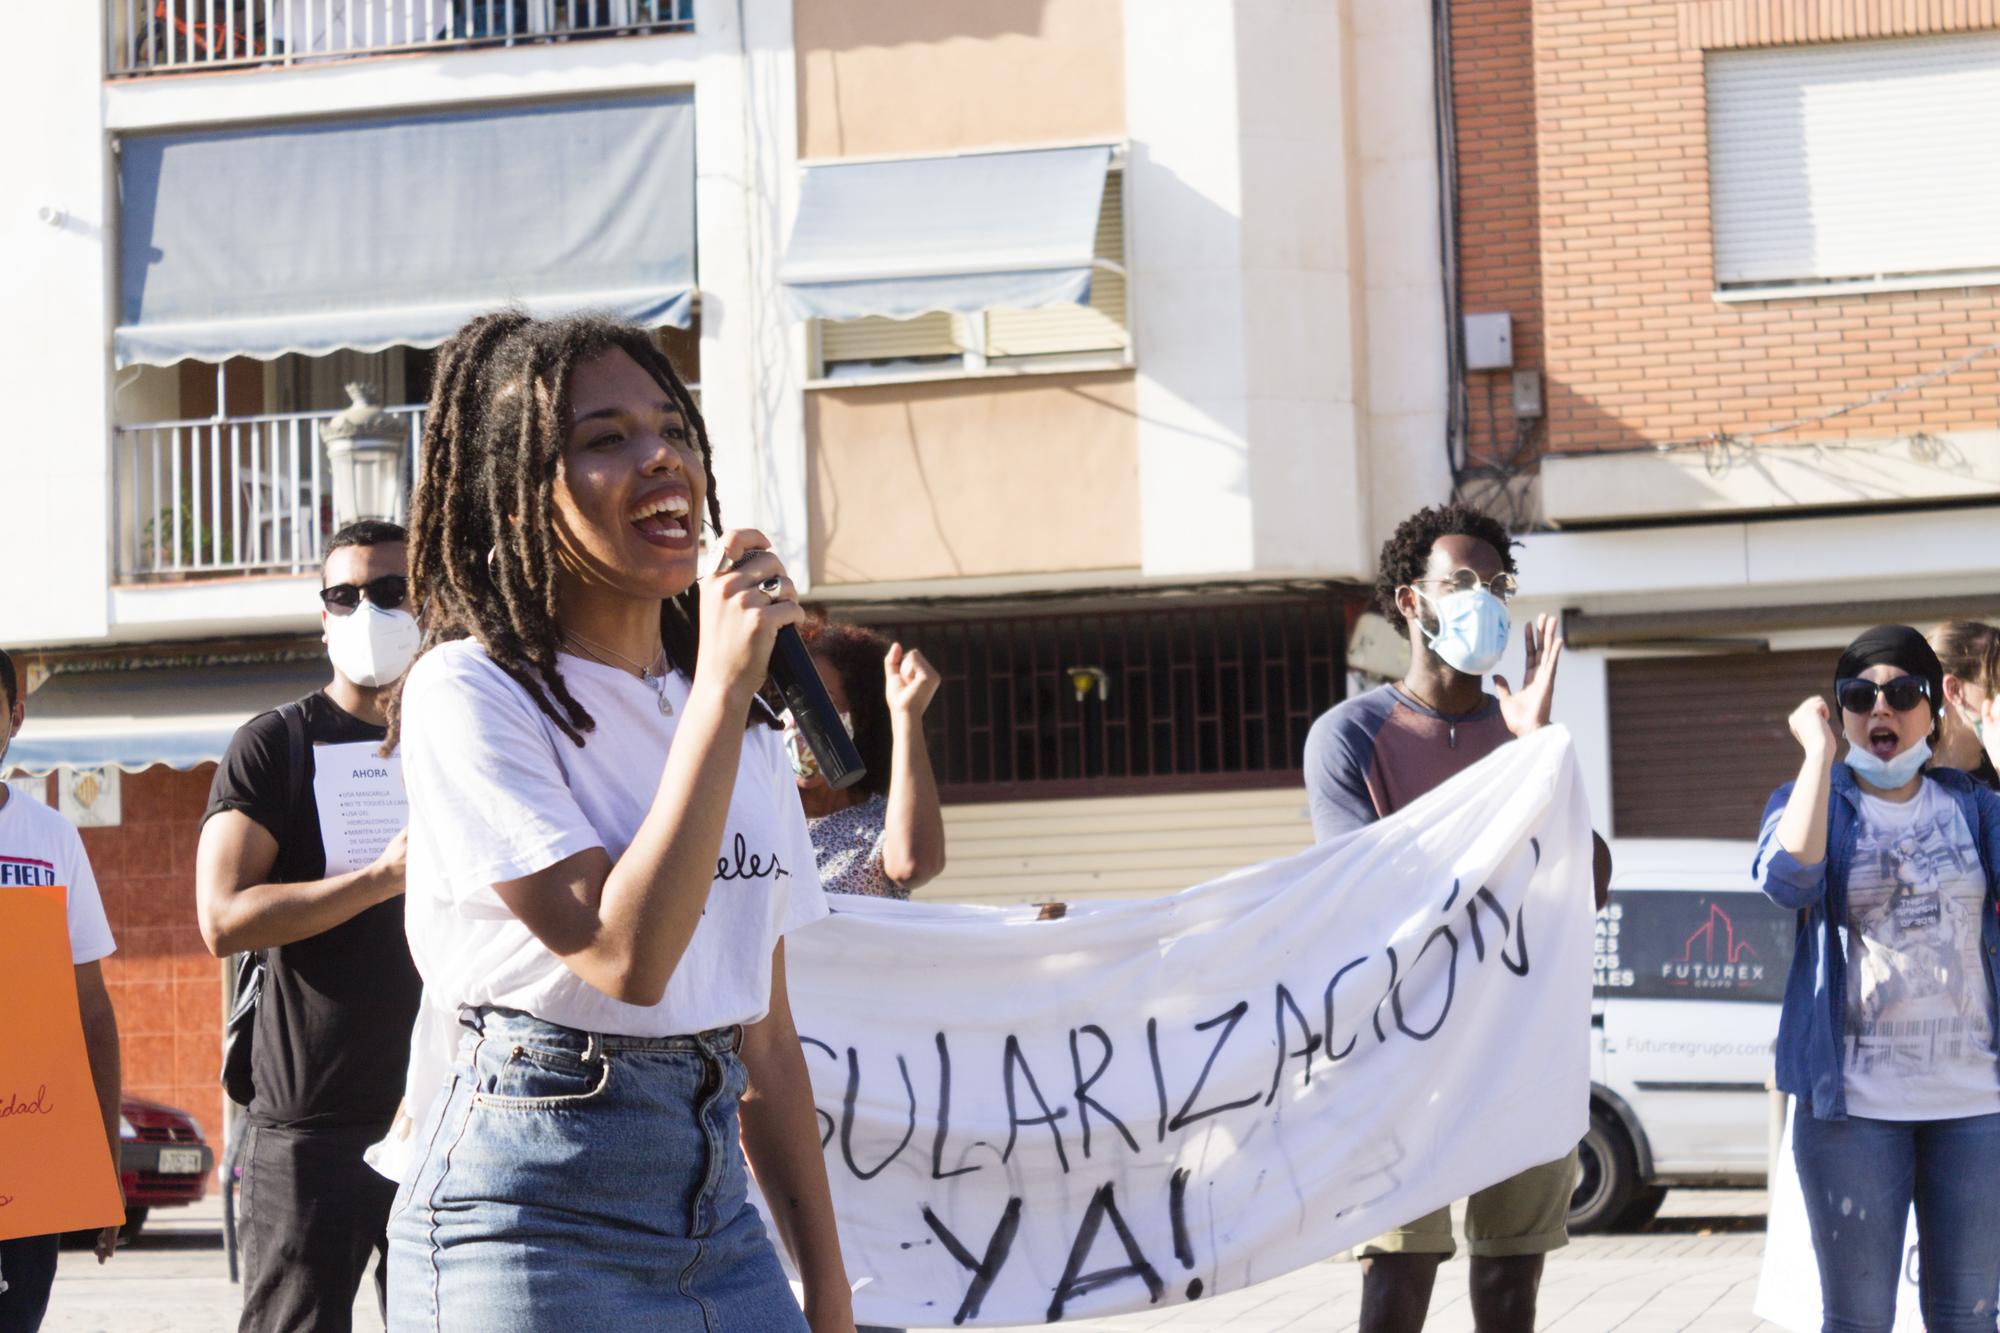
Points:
(1188, 699)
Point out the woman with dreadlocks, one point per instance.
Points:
(606, 851)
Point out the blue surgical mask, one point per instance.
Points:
(1888, 774)
(1472, 629)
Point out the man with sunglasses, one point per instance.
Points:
(1448, 572)
(330, 1039)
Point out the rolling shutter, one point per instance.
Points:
(939, 333)
(1855, 159)
(1113, 846)
(1698, 744)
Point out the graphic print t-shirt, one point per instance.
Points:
(1377, 752)
(1919, 1026)
(39, 846)
(333, 1022)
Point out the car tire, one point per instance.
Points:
(1607, 1176)
(135, 1221)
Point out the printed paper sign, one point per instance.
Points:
(1148, 1103)
(361, 803)
(55, 1167)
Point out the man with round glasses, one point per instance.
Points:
(329, 1041)
(1445, 578)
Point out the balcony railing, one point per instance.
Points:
(167, 36)
(230, 496)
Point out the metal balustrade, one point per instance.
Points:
(227, 496)
(166, 36)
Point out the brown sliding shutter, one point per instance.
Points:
(1699, 743)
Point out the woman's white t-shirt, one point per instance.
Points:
(497, 793)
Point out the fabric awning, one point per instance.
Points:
(179, 717)
(964, 234)
(365, 234)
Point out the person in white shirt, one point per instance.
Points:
(38, 846)
(606, 850)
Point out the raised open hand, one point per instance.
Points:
(1529, 710)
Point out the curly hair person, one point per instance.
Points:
(482, 540)
(1408, 550)
(856, 654)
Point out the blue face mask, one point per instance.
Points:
(1888, 774)
(1472, 630)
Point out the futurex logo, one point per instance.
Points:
(1714, 958)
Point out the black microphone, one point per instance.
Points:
(812, 709)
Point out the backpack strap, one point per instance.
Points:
(294, 714)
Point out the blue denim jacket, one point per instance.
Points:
(1812, 1029)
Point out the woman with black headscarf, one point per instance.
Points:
(1887, 1035)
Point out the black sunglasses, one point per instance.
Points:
(1903, 693)
(387, 592)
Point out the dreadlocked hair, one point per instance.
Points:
(482, 543)
(1408, 550)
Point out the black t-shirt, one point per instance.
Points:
(332, 1040)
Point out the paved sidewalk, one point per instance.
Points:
(1694, 1269)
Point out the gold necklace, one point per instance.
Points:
(656, 675)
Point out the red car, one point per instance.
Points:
(165, 1161)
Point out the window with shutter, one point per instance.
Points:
(1099, 325)
(1096, 328)
(1856, 162)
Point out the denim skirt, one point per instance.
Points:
(571, 1180)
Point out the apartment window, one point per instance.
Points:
(990, 262)
(1094, 332)
(1855, 165)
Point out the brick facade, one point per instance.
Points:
(1499, 254)
(165, 985)
(1634, 344)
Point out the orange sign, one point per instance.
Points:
(55, 1167)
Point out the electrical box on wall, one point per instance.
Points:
(1527, 394)
(1489, 341)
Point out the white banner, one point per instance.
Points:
(1152, 1102)
(1788, 1291)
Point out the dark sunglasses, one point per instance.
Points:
(1903, 693)
(387, 592)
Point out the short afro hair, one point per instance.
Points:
(1408, 550)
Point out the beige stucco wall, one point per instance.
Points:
(931, 76)
(973, 478)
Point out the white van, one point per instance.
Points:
(1691, 967)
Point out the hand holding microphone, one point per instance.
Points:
(749, 616)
